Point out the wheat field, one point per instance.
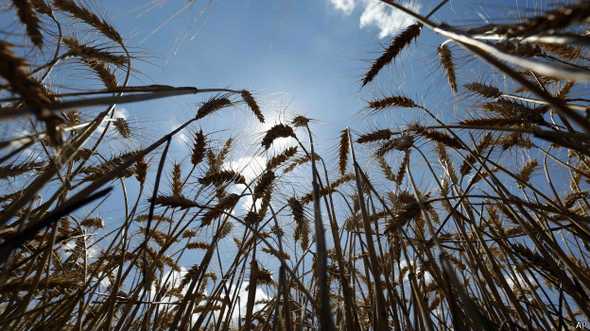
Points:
(494, 235)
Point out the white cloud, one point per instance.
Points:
(250, 168)
(246, 201)
(239, 311)
(174, 278)
(70, 247)
(181, 138)
(417, 269)
(121, 113)
(118, 112)
(105, 282)
(243, 294)
(388, 20)
(346, 6)
(517, 279)
(18, 143)
(170, 279)
(91, 253)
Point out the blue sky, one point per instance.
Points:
(298, 57)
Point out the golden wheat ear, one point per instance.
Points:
(277, 160)
(484, 90)
(302, 231)
(16, 170)
(15, 71)
(89, 52)
(437, 136)
(446, 60)
(401, 173)
(88, 17)
(402, 143)
(222, 176)
(552, 20)
(122, 127)
(525, 173)
(141, 168)
(392, 101)
(383, 134)
(252, 104)
(385, 169)
(397, 45)
(29, 18)
(226, 203)
(343, 151)
(300, 121)
(264, 184)
(199, 148)
(212, 105)
(176, 180)
(277, 131)
(299, 161)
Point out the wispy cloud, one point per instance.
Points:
(389, 21)
(375, 13)
(119, 112)
(250, 168)
(346, 6)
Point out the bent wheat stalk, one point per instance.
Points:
(494, 56)
(9, 113)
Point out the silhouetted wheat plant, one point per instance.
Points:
(497, 239)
